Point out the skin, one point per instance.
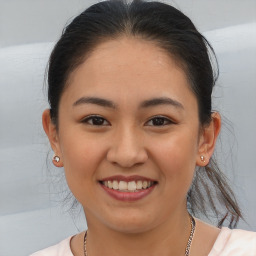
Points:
(127, 72)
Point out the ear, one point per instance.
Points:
(51, 131)
(207, 140)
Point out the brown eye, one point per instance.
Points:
(159, 121)
(95, 120)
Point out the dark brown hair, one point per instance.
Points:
(174, 32)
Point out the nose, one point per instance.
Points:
(127, 149)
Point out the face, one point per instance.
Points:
(128, 120)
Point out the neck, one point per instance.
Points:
(168, 238)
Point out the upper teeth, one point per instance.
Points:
(128, 186)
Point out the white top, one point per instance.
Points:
(229, 242)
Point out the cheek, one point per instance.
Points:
(176, 158)
(81, 158)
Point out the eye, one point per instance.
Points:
(95, 120)
(159, 121)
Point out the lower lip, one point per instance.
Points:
(128, 196)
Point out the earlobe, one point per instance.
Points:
(208, 139)
(57, 161)
(51, 132)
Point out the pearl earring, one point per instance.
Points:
(56, 158)
(202, 158)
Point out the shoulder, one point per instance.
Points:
(233, 236)
(60, 249)
(242, 234)
(235, 242)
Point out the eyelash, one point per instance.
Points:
(92, 118)
(166, 120)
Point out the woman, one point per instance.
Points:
(131, 122)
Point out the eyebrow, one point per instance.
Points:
(161, 101)
(94, 100)
(145, 104)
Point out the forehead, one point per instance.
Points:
(130, 54)
(125, 51)
(129, 66)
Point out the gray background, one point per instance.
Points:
(31, 213)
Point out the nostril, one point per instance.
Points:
(126, 158)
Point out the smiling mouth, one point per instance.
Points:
(131, 186)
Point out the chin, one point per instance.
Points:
(131, 229)
(131, 223)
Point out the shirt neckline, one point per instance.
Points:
(217, 246)
(220, 243)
